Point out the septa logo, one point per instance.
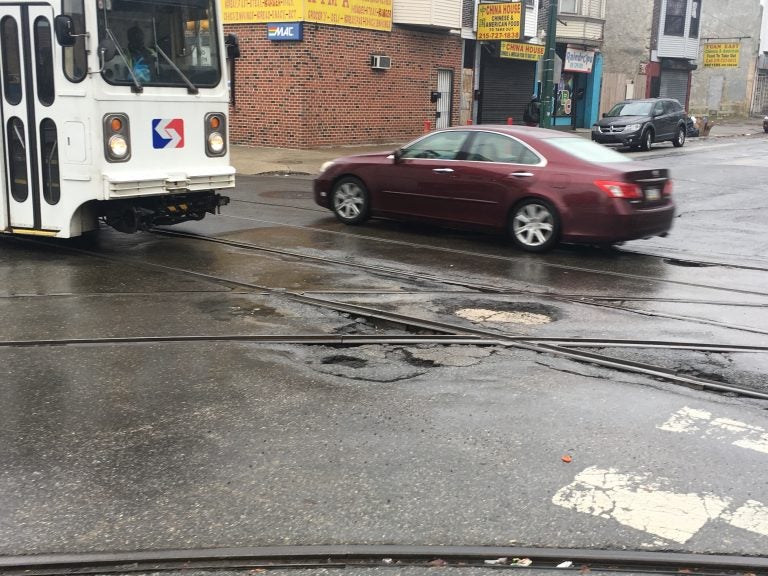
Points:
(167, 133)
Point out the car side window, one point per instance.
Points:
(658, 108)
(489, 147)
(440, 146)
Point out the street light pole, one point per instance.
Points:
(548, 90)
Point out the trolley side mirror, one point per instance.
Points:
(233, 46)
(64, 27)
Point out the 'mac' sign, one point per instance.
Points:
(285, 31)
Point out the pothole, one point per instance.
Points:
(687, 263)
(503, 316)
(342, 360)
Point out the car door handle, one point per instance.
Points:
(522, 174)
(442, 170)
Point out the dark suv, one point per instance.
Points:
(640, 123)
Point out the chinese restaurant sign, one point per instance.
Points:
(370, 14)
(500, 21)
(519, 51)
(721, 55)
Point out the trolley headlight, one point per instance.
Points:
(215, 134)
(118, 146)
(216, 142)
(117, 138)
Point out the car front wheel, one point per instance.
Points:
(350, 200)
(646, 140)
(534, 226)
(680, 138)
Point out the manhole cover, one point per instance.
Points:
(504, 317)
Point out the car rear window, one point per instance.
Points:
(586, 150)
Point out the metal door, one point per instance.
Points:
(27, 72)
(445, 88)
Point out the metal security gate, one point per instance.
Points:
(445, 88)
(760, 104)
(506, 88)
(674, 84)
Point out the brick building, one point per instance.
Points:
(324, 89)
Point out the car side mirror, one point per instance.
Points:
(64, 28)
(397, 155)
(605, 114)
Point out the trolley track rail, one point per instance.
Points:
(440, 328)
(482, 288)
(693, 262)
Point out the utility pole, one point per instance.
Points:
(548, 90)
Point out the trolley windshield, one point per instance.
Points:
(159, 43)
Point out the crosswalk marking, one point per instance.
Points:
(650, 505)
(703, 423)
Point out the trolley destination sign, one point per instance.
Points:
(500, 21)
(721, 55)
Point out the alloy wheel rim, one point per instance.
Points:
(533, 225)
(348, 200)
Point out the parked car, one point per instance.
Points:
(641, 123)
(541, 186)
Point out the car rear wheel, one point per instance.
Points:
(680, 138)
(534, 226)
(646, 140)
(350, 200)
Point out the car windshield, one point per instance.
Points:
(586, 150)
(165, 43)
(631, 109)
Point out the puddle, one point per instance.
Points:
(687, 263)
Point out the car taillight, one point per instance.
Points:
(667, 190)
(620, 189)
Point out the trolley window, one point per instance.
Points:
(159, 43)
(44, 61)
(49, 148)
(75, 57)
(9, 39)
(18, 156)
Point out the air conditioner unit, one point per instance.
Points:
(380, 62)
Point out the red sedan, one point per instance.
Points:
(541, 186)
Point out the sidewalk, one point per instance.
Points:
(263, 160)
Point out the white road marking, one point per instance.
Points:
(637, 502)
(703, 423)
(640, 502)
(753, 516)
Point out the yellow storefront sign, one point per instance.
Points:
(500, 21)
(721, 55)
(369, 14)
(518, 51)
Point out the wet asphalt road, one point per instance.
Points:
(110, 446)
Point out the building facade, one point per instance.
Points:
(724, 82)
(580, 38)
(334, 84)
(651, 49)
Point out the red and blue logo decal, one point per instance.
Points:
(167, 133)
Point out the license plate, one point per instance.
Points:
(652, 194)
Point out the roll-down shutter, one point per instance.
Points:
(506, 87)
(674, 84)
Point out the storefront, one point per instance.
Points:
(577, 99)
(507, 81)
